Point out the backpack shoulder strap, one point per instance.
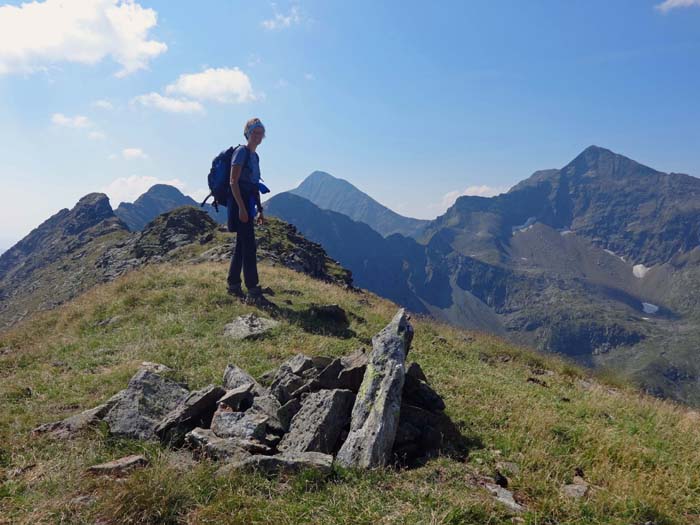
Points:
(247, 154)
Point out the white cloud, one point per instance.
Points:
(96, 135)
(225, 85)
(309, 76)
(128, 189)
(103, 104)
(279, 20)
(479, 191)
(79, 121)
(36, 35)
(667, 5)
(133, 153)
(170, 104)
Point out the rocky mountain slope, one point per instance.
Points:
(160, 198)
(546, 442)
(78, 248)
(597, 260)
(330, 193)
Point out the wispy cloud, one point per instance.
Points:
(280, 20)
(224, 85)
(96, 135)
(78, 121)
(478, 191)
(309, 76)
(169, 104)
(103, 104)
(37, 35)
(133, 153)
(667, 5)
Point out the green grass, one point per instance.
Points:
(641, 455)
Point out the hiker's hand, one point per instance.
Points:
(261, 219)
(242, 215)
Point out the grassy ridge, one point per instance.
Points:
(641, 455)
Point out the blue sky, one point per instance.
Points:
(413, 102)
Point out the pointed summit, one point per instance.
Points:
(605, 163)
(331, 193)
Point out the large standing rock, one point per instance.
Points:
(319, 423)
(195, 411)
(375, 416)
(143, 404)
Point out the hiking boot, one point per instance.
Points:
(256, 298)
(237, 291)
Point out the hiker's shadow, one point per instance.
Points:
(328, 320)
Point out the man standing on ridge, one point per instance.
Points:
(245, 176)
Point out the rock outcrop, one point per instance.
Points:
(362, 408)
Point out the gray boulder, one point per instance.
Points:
(319, 423)
(288, 463)
(285, 383)
(223, 449)
(287, 412)
(249, 326)
(70, 426)
(353, 370)
(195, 411)
(241, 425)
(239, 399)
(375, 416)
(268, 407)
(143, 404)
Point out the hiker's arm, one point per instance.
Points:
(235, 175)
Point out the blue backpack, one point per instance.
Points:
(219, 180)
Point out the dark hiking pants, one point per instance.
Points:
(244, 255)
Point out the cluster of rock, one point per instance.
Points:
(366, 410)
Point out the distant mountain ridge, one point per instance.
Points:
(599, 260)
(159, 198)
(331, 193)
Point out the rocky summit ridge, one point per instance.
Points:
(75, 249)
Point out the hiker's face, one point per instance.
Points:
(257, 135)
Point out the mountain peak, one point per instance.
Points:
(90, 210)
(165, 191)
(606, 163)
(331, 193)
